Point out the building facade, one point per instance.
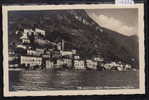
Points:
(79, 64)
(68, 62)
(30, 60)
(49, 64)
(91, 64)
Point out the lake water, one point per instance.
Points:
(71, 80)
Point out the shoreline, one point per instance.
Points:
(90, 70)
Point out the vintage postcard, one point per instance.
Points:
(87, 49)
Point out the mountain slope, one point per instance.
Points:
(79, 32)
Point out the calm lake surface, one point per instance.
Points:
(71, 80)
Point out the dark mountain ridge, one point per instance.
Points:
(79, 32)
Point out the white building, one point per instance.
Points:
(108, 66)
(91, 64)
(60, 62)
(21, 46)
(40, 50)
(33, 52)
(28, 31)
(31, 61)
(46, 56)
(59, 46)
(49, 64)
(74, 51)
(76, 57)
(65, 53)
(39, 31)
(119, 66)
(11, 52)
(79, 64)
(36, 52)
(127, 67)
(98, 59)
(68, 62)
(25, 39)
(48, 52)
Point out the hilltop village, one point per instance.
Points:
(26, 55)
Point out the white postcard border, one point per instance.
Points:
(141, 90)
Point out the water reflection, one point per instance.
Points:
(62, 80)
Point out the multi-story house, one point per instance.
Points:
(68, 62)
(28, 31)
(79, 64)
(49, 64)
(35, 31)
(90, 64)
(24, 38)
(39, 32)
(29, 61)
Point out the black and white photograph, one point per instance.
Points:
(73, 49)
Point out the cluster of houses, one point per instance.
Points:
(54, 58)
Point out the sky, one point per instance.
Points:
(123, 21)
